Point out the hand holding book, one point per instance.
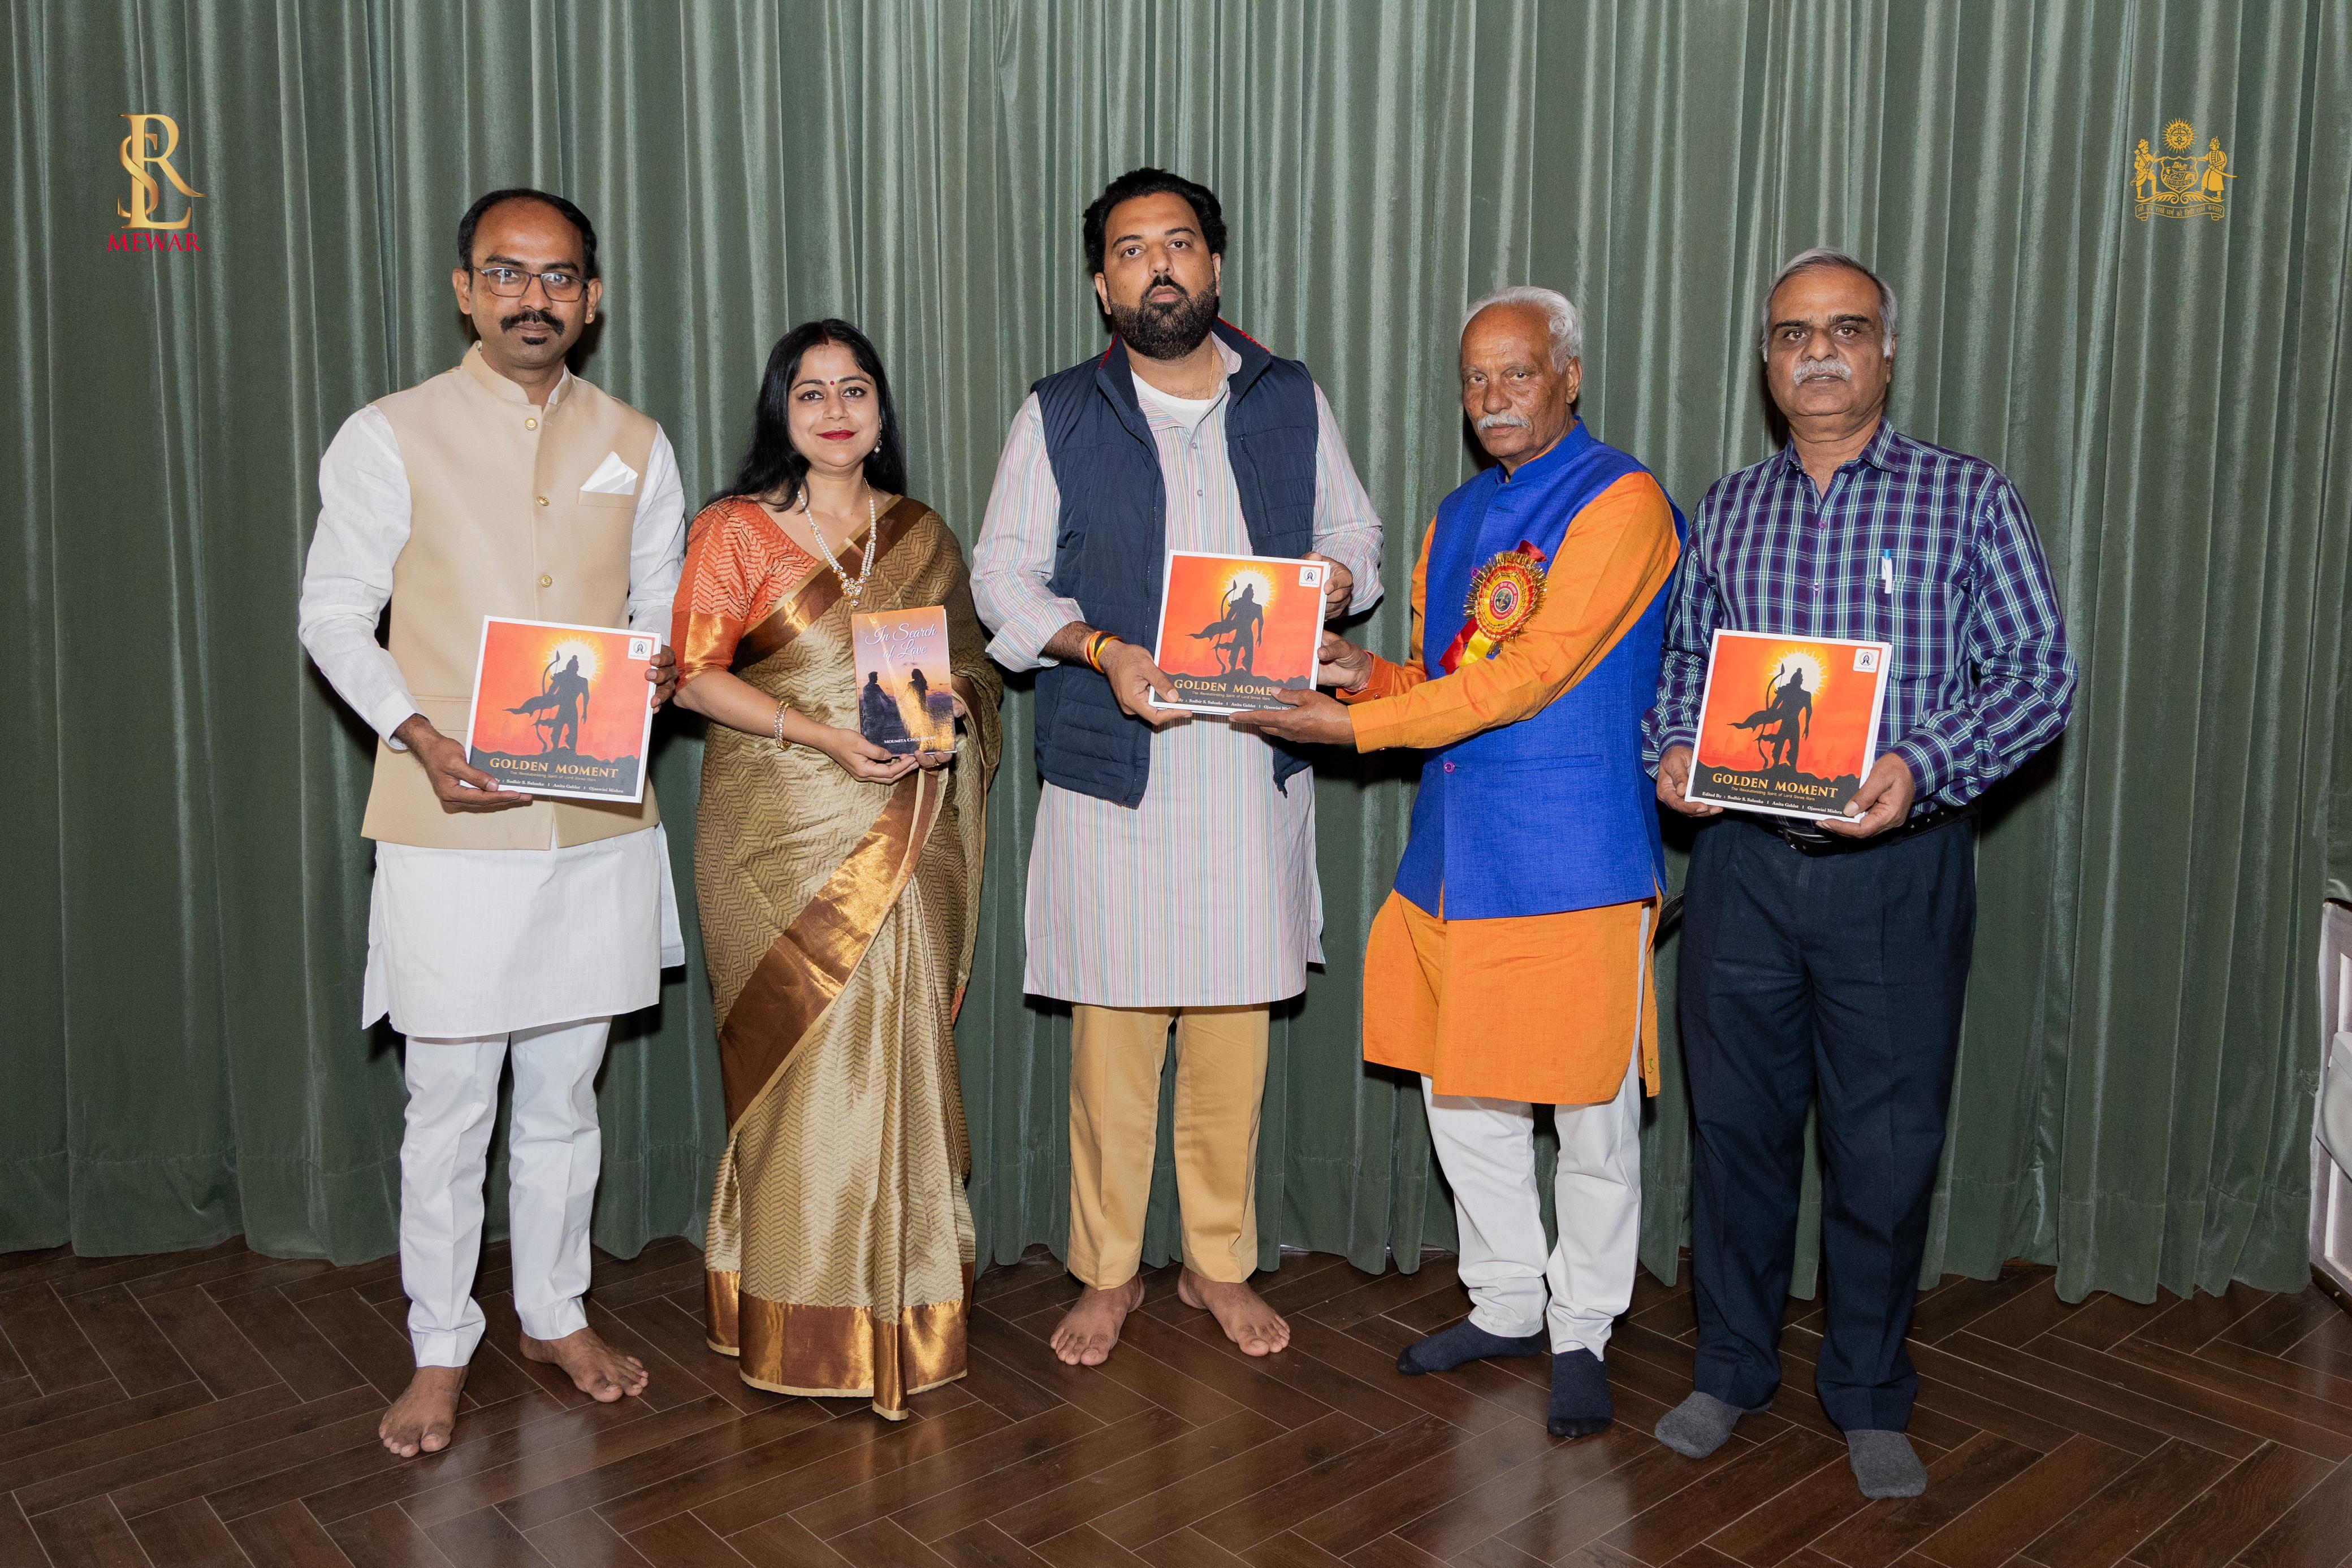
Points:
(1305, 718)
(1883, 800)
(1340, 663)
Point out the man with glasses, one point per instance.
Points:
(506, 486)
(1828, 963)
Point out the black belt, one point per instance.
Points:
(1799, 835)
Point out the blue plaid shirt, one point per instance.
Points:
(1927, 549)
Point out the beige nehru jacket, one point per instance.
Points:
(499, 526)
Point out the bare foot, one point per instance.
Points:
(597, 1369)
(1241, 1311)
(1087, 1330)
(425, 1416)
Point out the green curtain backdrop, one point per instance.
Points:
(185, 889)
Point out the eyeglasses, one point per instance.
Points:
(513, 282)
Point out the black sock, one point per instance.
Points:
(1465, 1341)
(1579, 1395)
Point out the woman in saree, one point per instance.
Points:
(839, 885)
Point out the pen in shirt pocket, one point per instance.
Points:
(1886, 573)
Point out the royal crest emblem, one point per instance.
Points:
(2180, 182)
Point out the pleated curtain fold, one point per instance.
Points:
(185, 890)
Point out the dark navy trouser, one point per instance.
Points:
(1838, 976)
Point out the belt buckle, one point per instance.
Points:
(1801, 836)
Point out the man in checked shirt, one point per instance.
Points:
(1831, 963)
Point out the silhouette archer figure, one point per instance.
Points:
(560, 707)
(1787, 714)
(1239, 618)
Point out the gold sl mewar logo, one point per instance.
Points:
(2178, 182)
(153, 139)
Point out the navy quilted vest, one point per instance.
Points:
(1111, 547)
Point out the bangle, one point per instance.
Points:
(777, 729)
(1094, 645)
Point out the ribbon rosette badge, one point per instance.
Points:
(1505, 595)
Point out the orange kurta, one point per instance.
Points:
(1544, 1008)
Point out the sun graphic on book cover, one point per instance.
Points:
(558, 651)
(1260, 585)
(1803, 661)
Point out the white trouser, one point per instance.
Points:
(553, 1151)
(1488, 1147)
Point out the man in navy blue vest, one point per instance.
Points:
(1510, 967)
(1171, 882)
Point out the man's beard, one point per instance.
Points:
(1166, 331)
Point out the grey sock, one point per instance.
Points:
(1700, 1425)
(1885, 1464)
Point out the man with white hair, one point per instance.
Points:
(1510, 966)
(1830, 962)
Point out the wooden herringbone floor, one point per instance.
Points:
(219, 1407)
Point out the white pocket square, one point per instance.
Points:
(613, 477)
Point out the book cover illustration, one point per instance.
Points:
(1787, 725)
(1236, 629)
(906, 702)
(562, 710)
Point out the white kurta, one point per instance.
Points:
(472, 942)
(1206, 893)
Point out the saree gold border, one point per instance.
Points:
(808, 964)
(836, 1352)
(721, 1288)
(706, 635)
(822, 591)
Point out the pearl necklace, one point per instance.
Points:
(853, 588)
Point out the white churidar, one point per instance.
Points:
(553, 1151)
(1489, 1150)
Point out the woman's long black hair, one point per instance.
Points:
(772, 469)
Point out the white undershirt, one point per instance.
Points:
(1186, 410)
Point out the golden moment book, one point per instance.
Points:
(1236, 629)
(905, 700)
(1787, 725)
(562, 710)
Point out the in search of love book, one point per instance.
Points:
(1236, 629)
(906, 702)
(562, 710)
(1787, 725)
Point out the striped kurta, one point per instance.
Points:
(1205, 895)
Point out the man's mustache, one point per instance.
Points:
(1819, 370)
(1184, 295)
(509, 323)
(1504, 422)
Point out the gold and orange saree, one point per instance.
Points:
(838, 920)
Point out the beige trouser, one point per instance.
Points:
(1116, 1055)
